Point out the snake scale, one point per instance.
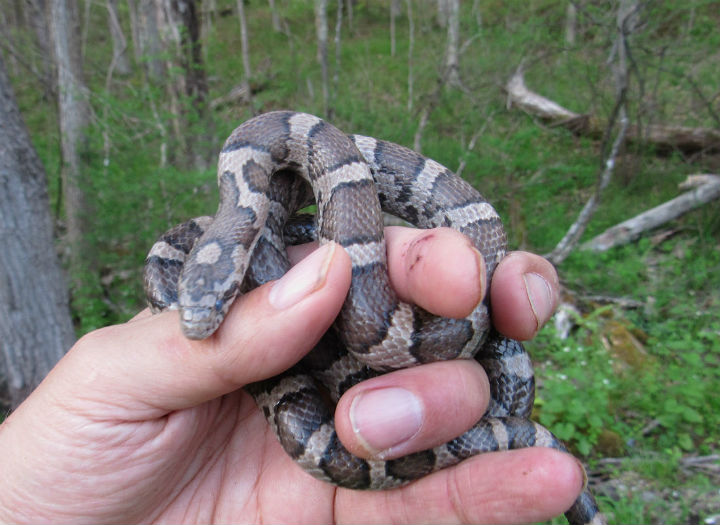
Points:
(277, 163)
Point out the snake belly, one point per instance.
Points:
(279, 162)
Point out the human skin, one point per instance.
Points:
(138, 424)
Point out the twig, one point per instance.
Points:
(622, 302)
(471, 145)
(434, 99)
(711, 461)
(49, 87)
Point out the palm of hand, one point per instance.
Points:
(216, 462)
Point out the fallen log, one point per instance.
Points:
(682, 138)
(238, 94)
(519, 95)
(631, 229)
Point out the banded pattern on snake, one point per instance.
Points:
(277, 163)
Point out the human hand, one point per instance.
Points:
(138, 423)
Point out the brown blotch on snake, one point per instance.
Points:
(271, 166)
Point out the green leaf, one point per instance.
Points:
(685, 441)
(692, 416)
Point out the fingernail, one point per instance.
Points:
(482, 273)
(584, 473)
(540, 295)
(385, 418)
(304, 278)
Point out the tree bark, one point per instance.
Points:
(74, 118)
(35, 324)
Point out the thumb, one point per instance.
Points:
(149, 368)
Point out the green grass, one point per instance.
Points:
(633, 382)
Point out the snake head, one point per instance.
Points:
(207, 288)
(201, 316)
(198, 322)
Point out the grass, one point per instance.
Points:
(637, 383)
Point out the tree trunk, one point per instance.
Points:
(349, 11)
(452, 67)
(74, 118)
(134, 29)
(570, 24)
(245, 50)
(620, 71)
(36, 14)
(35, 324)
(443, 12)
(276, 20)
(188, 89)
(146, 37)
(7, 23)
(477, 13)
(208, 16)
(411, 46)
(321, 28)
(394, 12)
(338, 56)
(120, 60)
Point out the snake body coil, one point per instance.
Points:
(279, 162)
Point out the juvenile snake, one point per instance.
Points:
(279, 162)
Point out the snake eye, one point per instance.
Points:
(219, 305)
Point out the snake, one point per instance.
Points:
(270, 168)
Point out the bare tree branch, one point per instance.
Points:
(571, 238)
(626, 23)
